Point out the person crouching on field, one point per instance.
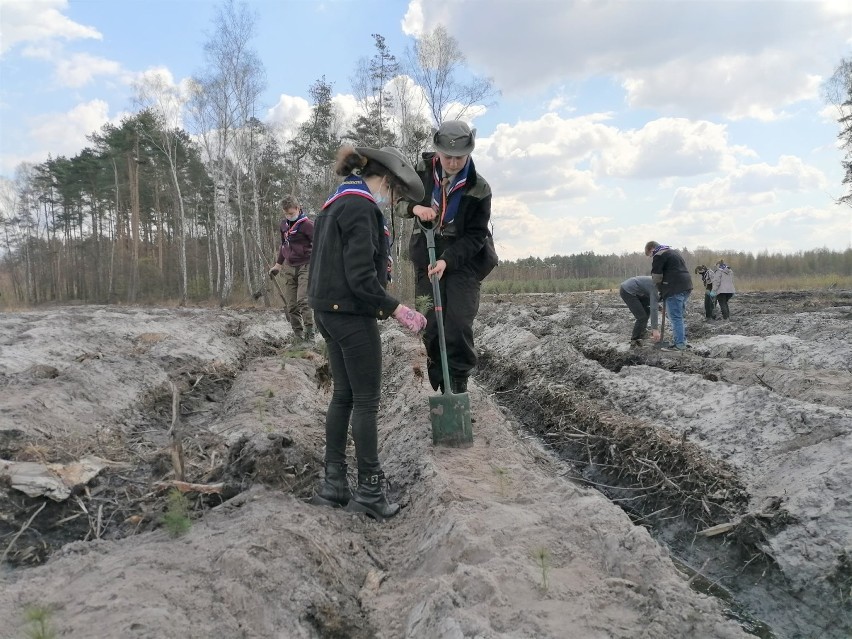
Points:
(640, 295)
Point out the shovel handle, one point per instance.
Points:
(429, 231)
(263, 259)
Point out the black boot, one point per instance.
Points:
(459, 385)
(334, 490)
(369, 498)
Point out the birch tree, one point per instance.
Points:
(435, 62)
(223, 96)
(838, 92)
(165, 103)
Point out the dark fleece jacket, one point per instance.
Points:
(349, 260)
(471, 221)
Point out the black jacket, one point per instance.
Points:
(349, 260)
(670, 273)
(465, 247)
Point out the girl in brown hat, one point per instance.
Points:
(347, 292)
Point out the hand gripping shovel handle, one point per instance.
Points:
(274, 281)
(449, 412)
(429, 231)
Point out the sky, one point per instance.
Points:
(698, 124)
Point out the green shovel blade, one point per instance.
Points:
(450, 414)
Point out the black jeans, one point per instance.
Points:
(723, 303)
(709, 305)
(641, 309)
(355, 356)
(460, 300)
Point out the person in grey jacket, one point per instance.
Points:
(723, 287)
(640, 295)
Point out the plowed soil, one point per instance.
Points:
(610, 492)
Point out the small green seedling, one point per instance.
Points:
(176, 518)
(423, 304)
(270, 393)
(542, 558)
(503, 478)
(38, 618)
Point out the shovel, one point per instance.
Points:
(264, 289)
(450, 412)
(662, 327)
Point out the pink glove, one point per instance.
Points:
(411, 319)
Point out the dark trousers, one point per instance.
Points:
(723, 304)
(355, 357)
(641, 308)
(460, 300)
(709, 305)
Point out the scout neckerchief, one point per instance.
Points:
(447, 198)
(661, 247)
(293, 226)
(352, 185)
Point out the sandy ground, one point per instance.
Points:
(516, 536)
(750, 431)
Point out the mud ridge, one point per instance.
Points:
(130, 495)
(721, 440)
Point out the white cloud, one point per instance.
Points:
(739, 86)
(80, 69)
(520, 233)
(670, 147)
(288, 113)
(740, 59)
(751, 185)
(413, 21)
(65, 133)
(554, 158)
(38, 21)
(794, 228)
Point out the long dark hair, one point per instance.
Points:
(350, 161)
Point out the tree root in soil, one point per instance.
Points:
(652, 471)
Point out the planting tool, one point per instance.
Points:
(449, 412)
(259, 293)
(662, 327)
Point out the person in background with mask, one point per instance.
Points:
(457, 201)
(709, 299)
(347, 290)
(294, 258)
(723, 287)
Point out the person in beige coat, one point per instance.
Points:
(723, 287)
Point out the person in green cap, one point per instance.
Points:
(457, 201)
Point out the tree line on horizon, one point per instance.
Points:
(589, 267)
(152, 211)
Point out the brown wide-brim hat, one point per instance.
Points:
(454, 138)
(393, 159)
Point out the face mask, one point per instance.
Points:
(380, 197)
